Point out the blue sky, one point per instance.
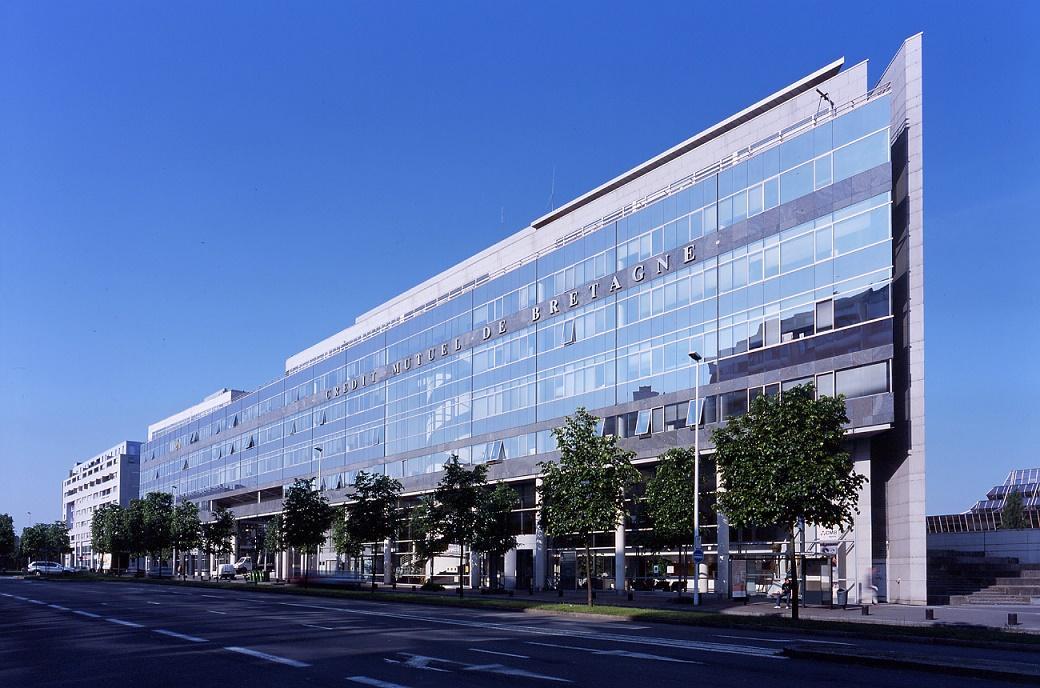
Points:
(191, 193)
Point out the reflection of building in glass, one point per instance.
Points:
(985, 514)
(783, 244)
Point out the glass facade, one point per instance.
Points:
(485, 373)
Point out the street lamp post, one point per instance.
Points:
(696, 358)
(173, 563)
(317, 451)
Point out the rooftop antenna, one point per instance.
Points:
(823, 97)
(552, 191)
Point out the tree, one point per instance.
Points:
(7, 539)
(157, 520)
(46, 540)
(185, 528)
(217, 534)
(133, 522)
(372, 515)
(1013, 513)
(585, 492)
(492, 532)
(670, 500)
(274, 541)
(456, 499)
(307, 516)
(784, 462)
(342, 538)
(427, 538)
(107, 531)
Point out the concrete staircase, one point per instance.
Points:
(954, 576)
(973, 578)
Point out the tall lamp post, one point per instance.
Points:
(696, 358)
(173, 564)
(317, 453)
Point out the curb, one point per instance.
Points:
(1020, 672)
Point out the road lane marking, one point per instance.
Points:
(150, 602)
(492, 652)
(787, 640)
(58, 606)
(368, 681)
(270, 658)
(656, 641)
(216, 597)
(324, 628)
(172, 634)
(424, 662)
(35, 601)
(617, 653)
(90, 614)
(214, 611)
(131, 624)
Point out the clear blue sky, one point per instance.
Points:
(191, 193)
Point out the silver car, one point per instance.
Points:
(46, 567)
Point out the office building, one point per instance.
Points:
(783, 244)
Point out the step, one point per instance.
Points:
(1031, 590)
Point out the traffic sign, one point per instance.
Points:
(698, 555)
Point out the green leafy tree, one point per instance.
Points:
(107, 531)
(343, 539)
(274, 540)
(670, 500)
(425, 530)
(133, 521)
(7, 539)
(306, 518)
(45, 541)
(157, 520)
(185, 529)
(217, 533)
(456, 498)
(586, 491)
(372, 515)
(1013, 513)
(784, 462)
(492, 533)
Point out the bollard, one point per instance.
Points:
(929, 615)
(593, 594)
(559, 592)
(1012, 619)
(865, 610)
(530, 588)
(630, 594)
(413, 588)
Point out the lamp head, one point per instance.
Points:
(696, 357)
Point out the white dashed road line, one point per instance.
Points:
(214, 611)
(88, 614)
(182, 636)
(131, 624)
(35, 601)
(786, 640)
(502, 654)
(58, 606)
(270, 658)
(367, 681)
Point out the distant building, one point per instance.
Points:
(111, 477)
(985, 514)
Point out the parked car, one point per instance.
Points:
(40, 568)
(225, 572)
(244, 565)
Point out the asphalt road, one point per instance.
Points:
(91, 634)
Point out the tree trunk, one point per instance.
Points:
(462, 556)
(794, 576)
(588, 568)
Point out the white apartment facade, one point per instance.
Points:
(111, 477)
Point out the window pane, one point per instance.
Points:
(860, 156)
(859, 382)
(824, 315)
(643, 422)
(657, 420)
(796, 183)
(825, 385)
(734, 404)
